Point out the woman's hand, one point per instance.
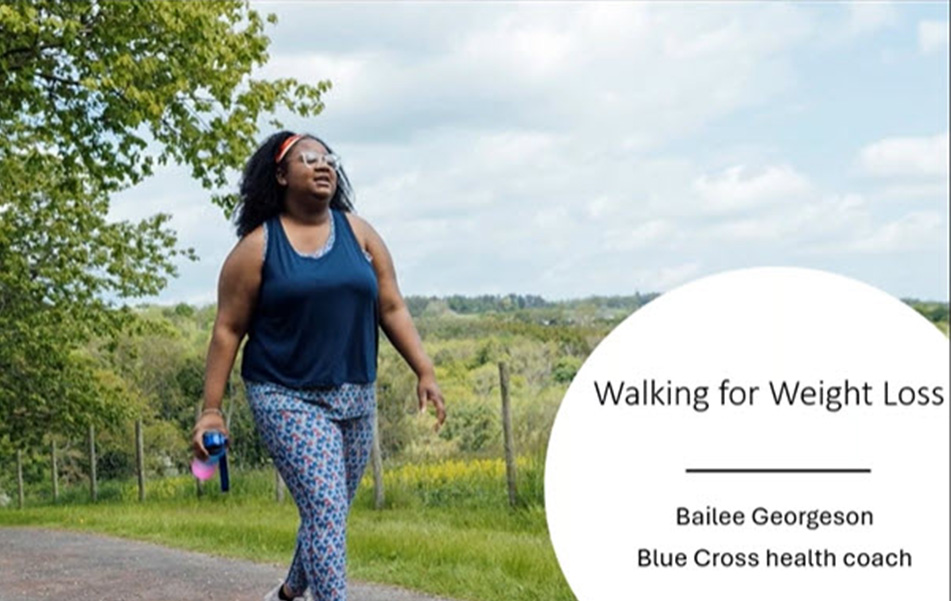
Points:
(428, 390)
(206, 423)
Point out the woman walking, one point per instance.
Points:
(309, 283)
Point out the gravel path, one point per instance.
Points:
(48, 564)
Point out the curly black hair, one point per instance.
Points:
(261, 197)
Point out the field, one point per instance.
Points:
(446, 528)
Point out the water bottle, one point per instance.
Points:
(216, 443)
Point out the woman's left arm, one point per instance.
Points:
(397, 323)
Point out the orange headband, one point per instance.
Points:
(285, 146)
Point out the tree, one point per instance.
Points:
(92, 96)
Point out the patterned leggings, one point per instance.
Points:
(321, 458)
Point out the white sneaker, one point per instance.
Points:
(274, 595)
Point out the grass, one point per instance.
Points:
(465, 546)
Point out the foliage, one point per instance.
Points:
(565, 369)
(157, 367)
(97, 81)
(94, 95)
(446, 502)
(474, 425)
(396, 401)
(934, 312)
(457, 483)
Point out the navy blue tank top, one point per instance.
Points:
(315, 323)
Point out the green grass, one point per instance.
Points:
(469, 555)
(480, 551)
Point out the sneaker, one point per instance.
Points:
(273, 594)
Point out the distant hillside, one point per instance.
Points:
(509, 303)
(597, 308)
(531, 308)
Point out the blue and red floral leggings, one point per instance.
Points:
(320, 442)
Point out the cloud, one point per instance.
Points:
(571, 279)
(599, 68)
(932, 36)
(666, 278)
(537, 50)
(654, 233)
(909, 191)
(800, 225)
(906, 157)
(571, 149)
(867, 18)
(914, 231)
(347, 72)
(736, 189)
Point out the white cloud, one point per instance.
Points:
(666, 278)
(932, 36)
(847, 23)
(537, 50)
(906, 157)
(353, 77)
(908, 191)
(654, 233)
(802, 224)
(570, 278)
(869, 17)
(558, 68)
(571, 149)
(917, 230)
(736, 188)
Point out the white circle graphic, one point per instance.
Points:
(772, 433)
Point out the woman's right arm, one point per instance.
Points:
(238, 287)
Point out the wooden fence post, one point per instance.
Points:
(93, 485)
(229, 393)
(19, 479)
(507, 432)
(199, 485)
(140, 458)
(53, 471)
(376, 456)
(229, 390)
(278, 486)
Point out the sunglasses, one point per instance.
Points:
(312, 157)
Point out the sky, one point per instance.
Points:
(568, 150)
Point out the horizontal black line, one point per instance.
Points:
(778, 471)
